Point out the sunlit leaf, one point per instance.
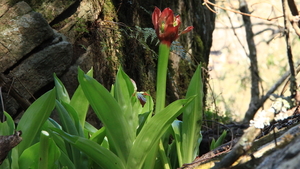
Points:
(192, 119)
(7, 127)
(34, 117)
(61, 91)
(103, 157)
(152, 132)
(109, 112)
(124, 94)
(80, 103)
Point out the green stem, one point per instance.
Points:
(161, 83)
(44, 147)
(163, 58)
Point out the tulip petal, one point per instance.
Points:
(155, 17)
(166, 25)
(186, 30)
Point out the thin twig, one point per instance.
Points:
(206, 2)
(253, 61)
(235, 34)
(2, 107)
(286, 11)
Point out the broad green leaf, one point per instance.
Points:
(5, 164)
(146, 112)
(103, 157)
(65, 161)
(50, 123)
(30, 157)
(124, 94)
(74, 115)
(177, 129)
(7, 127)
(142, 120)
(80, 103)
(149, 106)
(14, 158)
(34, 117)
(174, 161)
(66, 120)
(152, 131)
(53, 123)
(109, 112)
(192, 119)
(212, 144)
(43, 154)
(220, 140)
(124, 88)
(68, 125)
(89, 130)
(99, 135)
(61, 91)
(48, 152)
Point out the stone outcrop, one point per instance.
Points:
(30, 51)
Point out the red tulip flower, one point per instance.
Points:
(166, 25)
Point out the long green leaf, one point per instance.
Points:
(7, 127)
(49, 152)
(109, 112)
(50, 123)
(44, 150)
(66, 120)
(43, 154)
(177, 129)
(68, 124)
(80, 103)
(74, 115)
(65, 161)
(34, 117)
(124, 93)
(152, 132)
(14, 158)
(219, 142)
(30, 157)
(103, 157)
(192, 119)
(61, 92)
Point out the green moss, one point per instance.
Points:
(199, 53)
(109, 11)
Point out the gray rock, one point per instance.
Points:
(30, 51)
(285, 158)
(37, 70)
(21, 31)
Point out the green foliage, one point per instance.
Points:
(187, 132)
(214, 144)
(146, 33)
(33, 119)
(131, 136)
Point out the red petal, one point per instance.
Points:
(155, 17)
(178, 20)
(186, 30)
(167, 16)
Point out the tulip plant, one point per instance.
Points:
(134, 132)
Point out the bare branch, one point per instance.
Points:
(206, 2)
(288, 8)
(253, 62)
